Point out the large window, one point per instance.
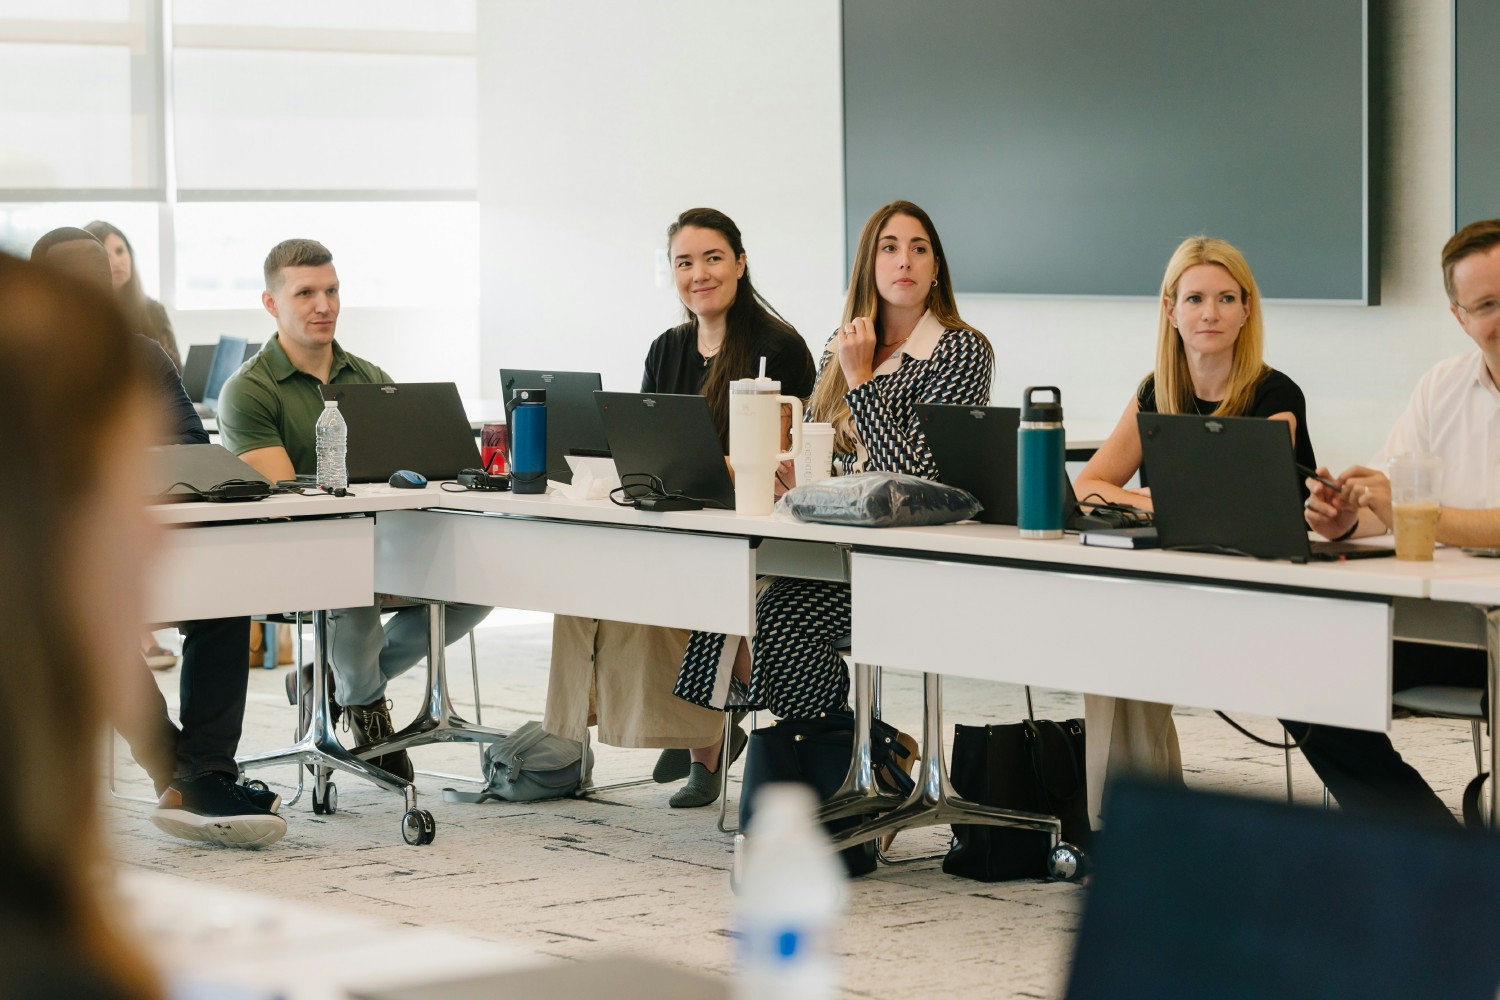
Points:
(208, 130)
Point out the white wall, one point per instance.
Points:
(599, 121)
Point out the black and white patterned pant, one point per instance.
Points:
(795, 671)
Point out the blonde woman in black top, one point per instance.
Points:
(1208, 361)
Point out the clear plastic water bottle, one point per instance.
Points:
(791, 892)
(332, 438)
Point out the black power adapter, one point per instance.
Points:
(478, 479)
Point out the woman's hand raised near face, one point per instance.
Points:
(857, 343)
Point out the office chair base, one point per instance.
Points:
(320, 749)
(933, 801)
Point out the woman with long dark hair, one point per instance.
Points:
(629, 669)
(145, 315)
(902, 342)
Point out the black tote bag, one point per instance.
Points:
(1035, 766)
(816, 752)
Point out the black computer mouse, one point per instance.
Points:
(407, 480)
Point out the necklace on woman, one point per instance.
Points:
(709, 355)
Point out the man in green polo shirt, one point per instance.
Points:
(267, 411)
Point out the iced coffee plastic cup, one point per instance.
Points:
(1416, 485)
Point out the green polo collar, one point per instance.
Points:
(282, 368)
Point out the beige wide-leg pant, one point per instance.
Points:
(1123, 736)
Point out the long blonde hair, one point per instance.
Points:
(1174, 383)
(827, 403)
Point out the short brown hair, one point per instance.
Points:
(294, 253)
(1476, 237)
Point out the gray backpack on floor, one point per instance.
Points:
(528, 765)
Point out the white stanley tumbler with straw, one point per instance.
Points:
(755, 440)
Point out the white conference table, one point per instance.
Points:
(1304, 642)
(1308, 642)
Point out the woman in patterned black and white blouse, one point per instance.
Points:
(902, 343)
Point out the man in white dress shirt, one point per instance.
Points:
(1454, 414)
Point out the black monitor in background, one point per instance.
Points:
(252, 349)
(975, 450)
(1206, 895)
(200, 358)
(419, 426)
(573, 423)
(671, 437)
(228, 357)
(1230, 485)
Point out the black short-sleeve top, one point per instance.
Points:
(1275, 393)
(674, 365)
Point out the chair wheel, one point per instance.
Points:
(328, 804)
(418, 827)
(1067, 863)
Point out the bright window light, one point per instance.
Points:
(386, 253)
(22, 224)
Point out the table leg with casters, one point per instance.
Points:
(438, 722)
(934, 803)
(319, 747)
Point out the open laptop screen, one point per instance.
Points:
(668, 436)
(419, 426)
(573, 422)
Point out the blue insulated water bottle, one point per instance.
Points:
(1040, 450)
(526, 416)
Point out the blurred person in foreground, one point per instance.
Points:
(72, 552)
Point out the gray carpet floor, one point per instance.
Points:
(621, 872)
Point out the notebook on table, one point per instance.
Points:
(419, 426)
(573, 423)
(1230, 485)
(671, 437)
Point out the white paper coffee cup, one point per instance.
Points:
(815, 460)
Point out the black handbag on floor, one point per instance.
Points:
(816, 753)
(1035, 766)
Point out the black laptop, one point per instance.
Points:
(181, 472)
(668, 436)
(419, 426)
(1230, 485)
(573, 423)
(975, 449)
(200, 358)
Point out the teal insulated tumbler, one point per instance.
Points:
(1040, 450)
